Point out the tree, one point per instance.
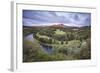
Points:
(62, 42)
(85, 52)
(66, 42)
(50, 41)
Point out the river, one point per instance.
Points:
(48, 49)
(29, 37)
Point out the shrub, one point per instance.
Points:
(85, 52)
(32, 51)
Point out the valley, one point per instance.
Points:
(56, 43)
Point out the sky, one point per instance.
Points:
(41, 18)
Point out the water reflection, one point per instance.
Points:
(29, 37)
(48, 49)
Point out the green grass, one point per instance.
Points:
(60, 32)
(42, 36)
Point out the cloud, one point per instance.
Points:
(79, 18)
(36, 17)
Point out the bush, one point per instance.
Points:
(32, 51)
(85, 52)
(74, 44)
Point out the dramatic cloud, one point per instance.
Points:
(36, 17)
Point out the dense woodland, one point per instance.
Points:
(68, 43)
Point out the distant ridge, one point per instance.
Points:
(57, 25)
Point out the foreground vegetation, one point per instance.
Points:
(67, 43)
